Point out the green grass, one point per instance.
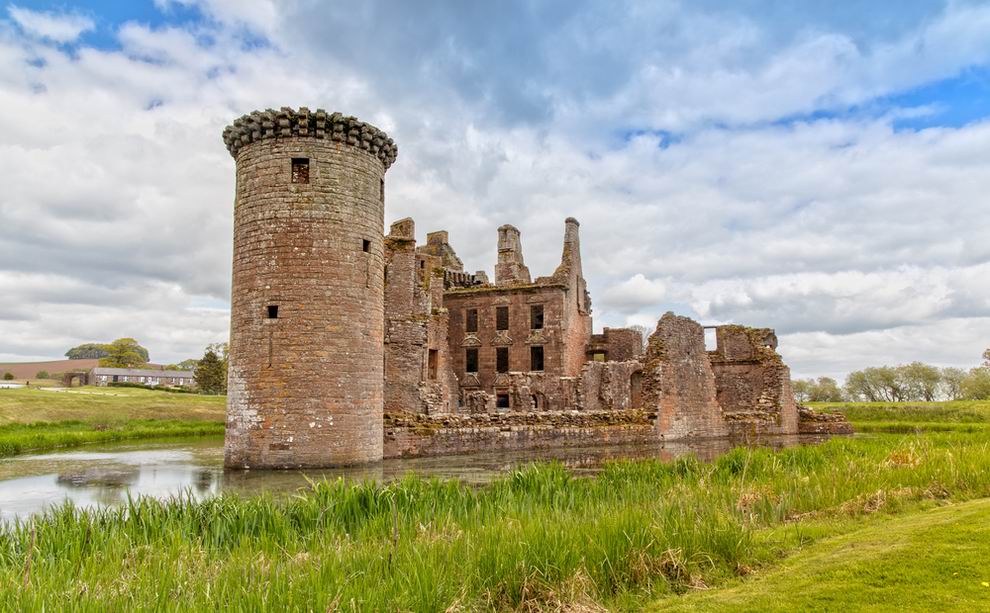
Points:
(29, 405)
(22, 438)
(37, 419)
(957, 415)
(932, 559)
(539, 539)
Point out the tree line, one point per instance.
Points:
(914, 382)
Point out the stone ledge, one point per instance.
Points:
(287, 122)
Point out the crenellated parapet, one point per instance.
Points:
(288, 122)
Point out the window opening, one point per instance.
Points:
(272, 311)
(471, 360)
(536, 317)
(536, 357)
(502, 318)
(501, 401)
(471, 320)
(366, 245)
(300, 170)
(502, 359)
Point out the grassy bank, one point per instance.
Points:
(22, 438)
(535, 540)
(36, 419)
(878, 565)
(955, 416)
(93, 404)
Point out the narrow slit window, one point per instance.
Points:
(272, 311)
(502, 359)
(366, 245)
(381, 190)
(300, 170)
(536, 358)
(471, 320)
(502, 318)
(536, 317)
(471, 360)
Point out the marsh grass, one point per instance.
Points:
(22, 438)
(536, 539)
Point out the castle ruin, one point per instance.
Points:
(348, 345)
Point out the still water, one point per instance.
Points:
(106, 474)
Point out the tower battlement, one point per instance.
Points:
(288, 122)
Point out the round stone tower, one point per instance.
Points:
(307, 298)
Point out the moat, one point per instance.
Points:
(102, 475)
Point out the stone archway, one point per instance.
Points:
(74, 379)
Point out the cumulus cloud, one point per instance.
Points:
(57, 27)
(732, 164)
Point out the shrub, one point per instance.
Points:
(42, 374)
(8, 376)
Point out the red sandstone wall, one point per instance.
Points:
(678, 381)
(305, 389)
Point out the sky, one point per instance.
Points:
(819, 168)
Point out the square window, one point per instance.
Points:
(536, 317)
(471, 360)
(471, 320)
(501, 401)
(502, 359)
(536, 357)
(300, 170)
(272, 311)
(502, 318)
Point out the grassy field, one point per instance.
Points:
(34, 419)
(639, 534)
(889, 520)
(957, 415)
(879, 567)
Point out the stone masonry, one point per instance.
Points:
(348, 345)
(307, 303)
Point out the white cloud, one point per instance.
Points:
(58, 27)
(860, 243)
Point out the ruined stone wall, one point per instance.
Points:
(415, 328)
(610, 386)
(616, 344)
(306, 383)
(577, 324)
(678, 381)
(510, 268)
(754, 384)
(417, 435)
(518, 338)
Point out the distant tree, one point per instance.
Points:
(211, 373)
(919, 381)
(88, 351)
(125, 353)
(42, 374)
(976, 385)
(825, 389)
(986, 358)
(7, 376)
(952, 381)
(802, 389)
(189, 364)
